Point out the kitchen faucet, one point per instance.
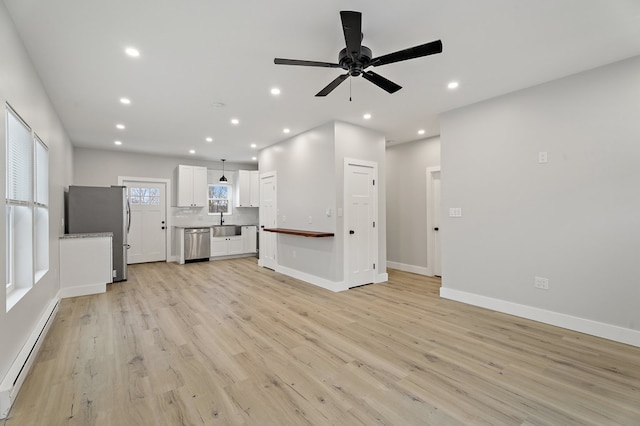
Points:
(221, 219)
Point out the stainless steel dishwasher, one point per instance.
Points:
(197, 244)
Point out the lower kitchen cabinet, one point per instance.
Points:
(249, 237)
(224, 246)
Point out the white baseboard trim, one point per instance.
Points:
(381, 278)
(582, 325)
(312, 279)
(421, 270)
(82, 290)
(18, 371)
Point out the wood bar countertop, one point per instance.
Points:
(299, 232)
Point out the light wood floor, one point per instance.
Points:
(227, 342)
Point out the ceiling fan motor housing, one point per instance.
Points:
(355, 67)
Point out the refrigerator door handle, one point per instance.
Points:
(128, 215)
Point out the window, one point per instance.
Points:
(144, 196)
(26, 206)
(41, 206)
(219, 198)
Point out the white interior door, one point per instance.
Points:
(433, 222)
(268, 216)
(361, 241)
(436, 220)
(148, 231)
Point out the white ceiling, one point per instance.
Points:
(195, 53)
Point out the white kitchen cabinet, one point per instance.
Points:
(225, 246)
(86, 264)
(191, 186)
(248, 188)
(249, 241)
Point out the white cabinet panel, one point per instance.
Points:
(225, 246)
(248, 188)
(234, 245)
(85, 265)
(219, 246)
(191, 186)
(249, 239)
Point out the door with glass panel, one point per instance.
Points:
(148, 231)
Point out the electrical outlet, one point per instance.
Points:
(543, 157)
(294, 254)
(310, 219)
(541, 283)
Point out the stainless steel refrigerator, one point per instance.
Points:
(102, 209)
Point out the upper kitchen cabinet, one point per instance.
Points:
(191, 186)
(248, 188)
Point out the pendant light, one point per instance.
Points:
(223, 179)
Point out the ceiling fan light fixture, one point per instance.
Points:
(223, 179)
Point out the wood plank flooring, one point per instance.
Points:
(229, 343)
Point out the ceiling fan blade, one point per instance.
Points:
(352, 28)
(335, 83)
(410, 53)
(381, 82)
(280, 61)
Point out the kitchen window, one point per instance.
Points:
(26, 207)
(220, 198)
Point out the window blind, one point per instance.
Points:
(19, 159)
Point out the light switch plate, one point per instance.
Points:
(455, 212)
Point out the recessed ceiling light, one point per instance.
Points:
(132, 51)
(367, 116)
(235, 121)
(254, 158)
(421, 132)
(117, 142)
(286, 130)
(125, 101)
(253, 145)
(217, 105)
(120, 126)
(453, 85)
(275, 91)
(209, 139)
(192, 151)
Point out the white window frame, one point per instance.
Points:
(27, 260)
(229, 198)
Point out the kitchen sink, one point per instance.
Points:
(225, 230)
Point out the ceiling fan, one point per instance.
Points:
(356, 58)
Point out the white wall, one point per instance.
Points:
(310, 181)
(21, 87)
(306, 184)
(407, 165)
(574, 220)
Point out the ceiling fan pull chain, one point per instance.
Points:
(350, 90)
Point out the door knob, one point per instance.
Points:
(351, 232)
(163, 227)
(436, 229)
